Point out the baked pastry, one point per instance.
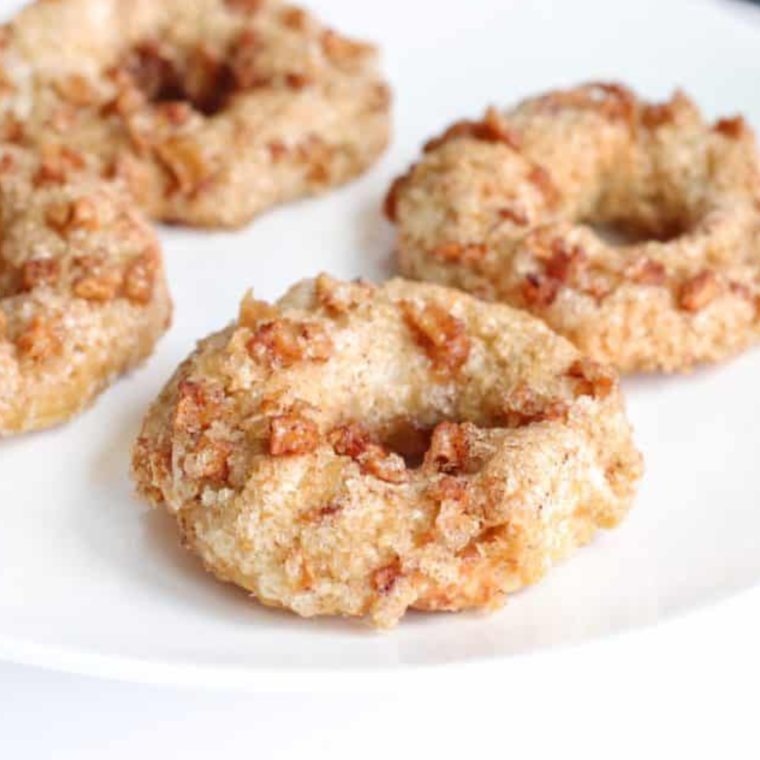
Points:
(211, 110)
(82, 291)
(514, 208)
(359, 450)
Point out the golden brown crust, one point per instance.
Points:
(377, 476)
(211, 111)
(82, 291)
(514, 220)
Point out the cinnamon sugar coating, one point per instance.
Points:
(376, 474)
(522, 220)
(82, 291)
(211, 111)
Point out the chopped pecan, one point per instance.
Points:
(344, 52)
(541, 179)
(318, 514)
(350, 440)
(540, 291)
(65, 218)
(524, 406)
(298, 81)
(699, 291)
(383, 465)
(210, 459)
(594, 379)
(7, 164)
(462, 253)
(39, 341)
(514, 215)
(252, 311)
(293, 18)
(277, 150)
(186, 164)
(648, 272)
(283, 342)
(733, 128)
(101, 286)
(565, 261)
(441, 335)
(140, 276)
(385, 578)
(37, 272)
(354, 441)
(292, 435)
(449, 447)
(56, 162)
(198, 405)
(12, 130)
(340, 297)
(491, 128)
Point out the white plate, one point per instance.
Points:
(90, 580)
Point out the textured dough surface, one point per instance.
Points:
(513, 208)
(358, 450)
(212, 110)
(82, 291)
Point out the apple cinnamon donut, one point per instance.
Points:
(518, 208)
(82, 291)
(359, 450)
(212, 110)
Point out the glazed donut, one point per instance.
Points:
(518, 208)
(359, 450)
(212, 110)
(82, 291)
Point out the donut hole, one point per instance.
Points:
(411, 441)
(196, 78)
(655, 223)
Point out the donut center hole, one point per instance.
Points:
(626, 233)
(411, 442)
(200, 80)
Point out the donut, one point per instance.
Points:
(82, 291)
(211, 110)
(632, 228)
(357, 450)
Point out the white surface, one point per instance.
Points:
(90, 582)
(686, 690)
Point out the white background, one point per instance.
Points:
(687, 686)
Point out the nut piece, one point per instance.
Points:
(648, 272)
(699, 291)
(464, 253)
(524, 407)
(198, 406)
(491, 128)
(292, 435)
(283, 343)
(442, 336)
(594, 379)
(339, 298)
(449, 447)
(140, 277)
(210, 460)
(39, 272)
(39, 341)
